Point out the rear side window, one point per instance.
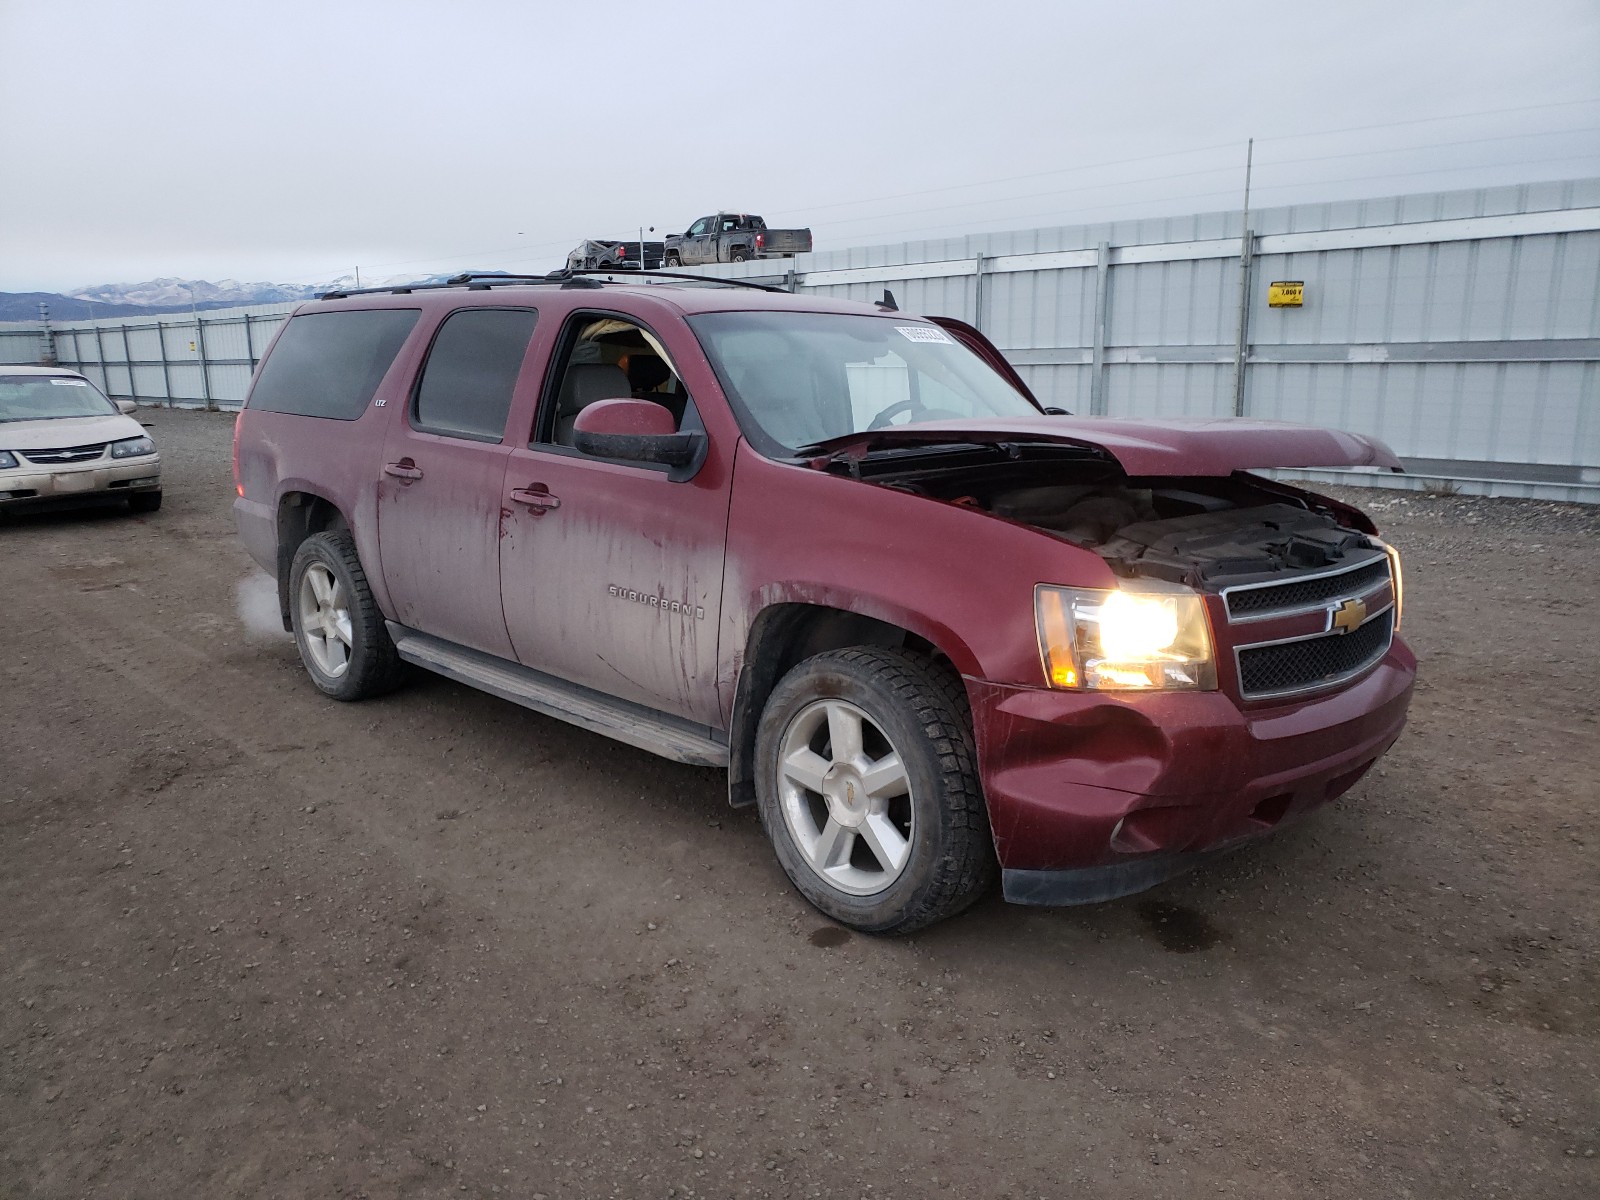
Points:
(466, 386)
(330, 364)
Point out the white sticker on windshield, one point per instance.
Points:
(70, 382)
(925, 333)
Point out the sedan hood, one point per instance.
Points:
(67, 431)
(1174, 446)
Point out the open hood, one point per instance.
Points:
(1172, 446)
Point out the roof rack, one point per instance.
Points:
(646, 276)
(564, 277)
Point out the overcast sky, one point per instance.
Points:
(292, 142)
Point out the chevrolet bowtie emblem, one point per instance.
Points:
(1348, 616)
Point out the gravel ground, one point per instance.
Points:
(254, 943)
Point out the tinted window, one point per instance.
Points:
(330, 364)
(466, 385)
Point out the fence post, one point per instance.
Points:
(977, 293)
(100, 352)
(205, 370)
(1097, 378)
(1242, 347)
(127, 357)
(166, 368)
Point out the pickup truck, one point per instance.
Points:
(598, 253)
(934, 632)
(733, 237)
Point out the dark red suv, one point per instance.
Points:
(931, 629)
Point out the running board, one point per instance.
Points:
(671, 737)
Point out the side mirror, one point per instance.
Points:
(638, 431)
(126, 407)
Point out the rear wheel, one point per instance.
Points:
(144, 502)
(868, 786)
(343, 643)
(739, 255)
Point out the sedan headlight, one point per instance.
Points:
(7, 460)
(1124, 640)
(132, 447)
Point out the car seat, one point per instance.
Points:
(583, 385)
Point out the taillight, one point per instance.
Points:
(237, 485)
(761, 240)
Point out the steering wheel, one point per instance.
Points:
(890, 413)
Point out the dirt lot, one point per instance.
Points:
(255, 943)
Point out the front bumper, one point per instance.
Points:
(98, 479)
(1093, 796)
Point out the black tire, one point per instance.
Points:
(738, 255)
(144, 502)
(373, 666)
(920, 710)
(672, 260)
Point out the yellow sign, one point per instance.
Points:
(1286, 293)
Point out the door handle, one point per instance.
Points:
(404, 469)
(537, 497)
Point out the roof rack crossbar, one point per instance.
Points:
(565, 277)
(648, 275)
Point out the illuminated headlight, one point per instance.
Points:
(132, 447)
(7, 460)
(1395, 577)
(1124, 640)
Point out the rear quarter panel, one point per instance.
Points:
(339, 461)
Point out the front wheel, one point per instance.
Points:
(144, 502)
(338, 629)
(868, 787)
(672, 260)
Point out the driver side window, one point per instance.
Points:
(699, 227)
(611, 357)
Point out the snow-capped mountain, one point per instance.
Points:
(164, 292)
(176, 293)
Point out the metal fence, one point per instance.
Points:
(195, 360)
(1463, 328)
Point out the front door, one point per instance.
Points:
(611, 574)
(443, 468)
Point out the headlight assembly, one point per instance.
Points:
(7, 460)
(1396, 579)
(1124, 640)
(132, 447)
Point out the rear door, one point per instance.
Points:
(443, 467)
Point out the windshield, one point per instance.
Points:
(43, 397)
(796, 379)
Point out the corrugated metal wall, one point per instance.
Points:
(1461, 327)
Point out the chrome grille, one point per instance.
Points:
(63, 454)
(1274, 598)
(1305, 664)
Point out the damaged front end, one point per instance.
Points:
(1244, 671)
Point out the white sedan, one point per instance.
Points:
(62, 441)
